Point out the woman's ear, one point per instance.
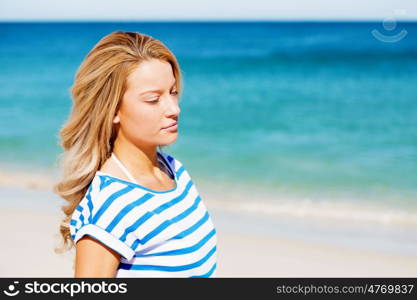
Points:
(116, 119)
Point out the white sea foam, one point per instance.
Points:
(325, 210)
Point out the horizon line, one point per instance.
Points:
(196, 20)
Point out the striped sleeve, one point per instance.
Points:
(101, 215)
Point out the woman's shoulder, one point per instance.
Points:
(105, 189)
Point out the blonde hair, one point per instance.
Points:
(88, 135)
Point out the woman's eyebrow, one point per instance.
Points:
(153, 91)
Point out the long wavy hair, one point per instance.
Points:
(88, 135)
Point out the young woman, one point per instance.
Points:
(133, 211)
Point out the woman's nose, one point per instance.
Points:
(173, 107)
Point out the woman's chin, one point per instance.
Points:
(169, 140)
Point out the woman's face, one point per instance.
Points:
(149, 105)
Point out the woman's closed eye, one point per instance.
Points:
(155, 100)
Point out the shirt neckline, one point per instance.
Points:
(141, 186)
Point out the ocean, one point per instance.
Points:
(305, 119)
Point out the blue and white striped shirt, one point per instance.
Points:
(157, 234)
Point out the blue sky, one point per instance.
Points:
(136, 10)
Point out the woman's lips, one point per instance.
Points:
(172, 127)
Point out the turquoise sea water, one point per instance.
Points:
(311, 116)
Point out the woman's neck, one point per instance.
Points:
(139, 160)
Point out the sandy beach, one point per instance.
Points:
(28, 249)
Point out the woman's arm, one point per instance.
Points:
(94, 259)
